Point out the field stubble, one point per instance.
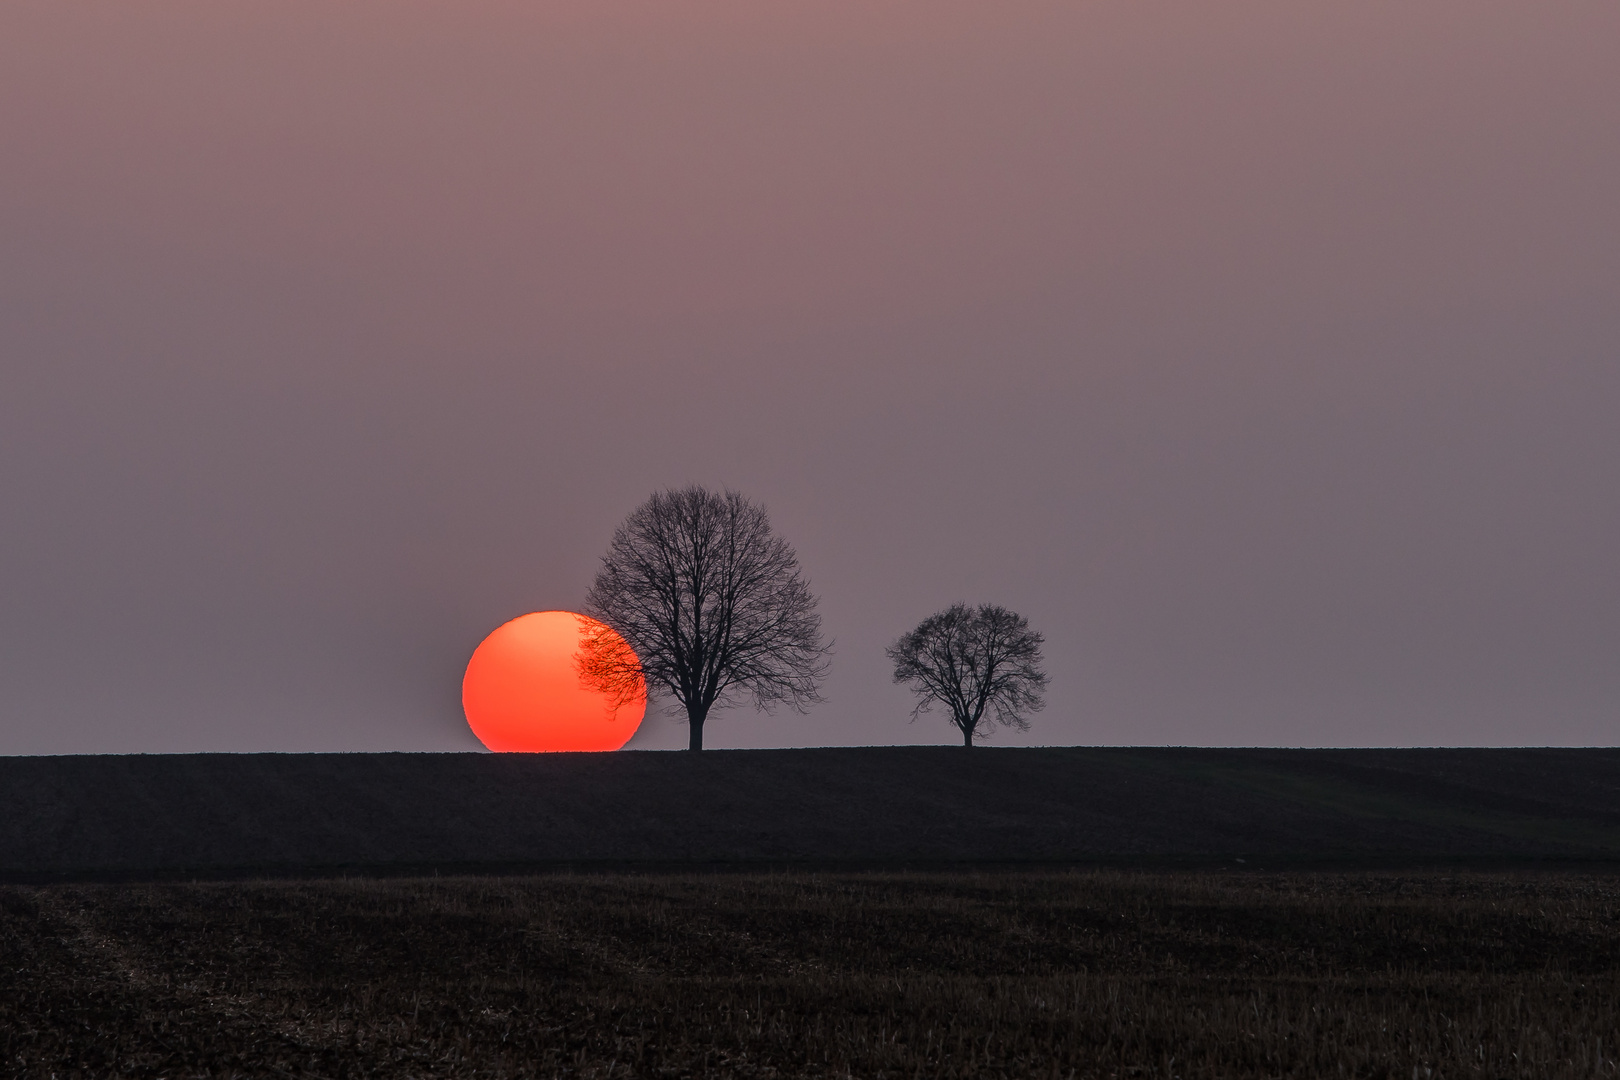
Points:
(1106, 974)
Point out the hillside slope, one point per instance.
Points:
(226, 815)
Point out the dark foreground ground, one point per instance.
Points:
(253, 815)
(1017, 974)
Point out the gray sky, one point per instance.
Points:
(1266, 355)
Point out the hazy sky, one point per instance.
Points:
(1266, 355)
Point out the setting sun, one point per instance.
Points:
(522, 691)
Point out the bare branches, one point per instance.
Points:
(713, 605)
(976, 662)
(608, 664)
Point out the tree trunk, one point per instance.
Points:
(967, 738)
(694, 725)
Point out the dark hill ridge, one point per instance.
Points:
(246, 814)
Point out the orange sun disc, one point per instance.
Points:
(523, 692)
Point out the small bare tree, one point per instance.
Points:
(974, 661)
(712, 605)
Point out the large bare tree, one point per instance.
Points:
(713, 605)
(982, 663)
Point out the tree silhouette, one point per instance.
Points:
(978, 662)
(713, 605)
